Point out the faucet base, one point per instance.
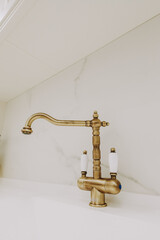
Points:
(97, 199)
(97, 205)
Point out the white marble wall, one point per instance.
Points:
(122, 82)
(2, 113)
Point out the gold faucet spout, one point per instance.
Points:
(28, 130)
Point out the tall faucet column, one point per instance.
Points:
(96, 124)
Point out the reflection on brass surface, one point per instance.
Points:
(97, 185)
(113, 150)
(97, 199)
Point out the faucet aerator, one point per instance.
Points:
(27, 130)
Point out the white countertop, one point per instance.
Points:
(131, 205)
(142, 210)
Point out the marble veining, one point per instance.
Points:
(77, 79)
(139, 187)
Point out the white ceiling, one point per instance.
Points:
(46, 36)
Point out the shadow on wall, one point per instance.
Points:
(1, 155)
(0, 169)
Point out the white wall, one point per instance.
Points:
(121, 81)
(2, 112)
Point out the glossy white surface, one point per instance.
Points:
(40, 211)
(84, 162)
(122, 83)
(113, 162)
(45, 37)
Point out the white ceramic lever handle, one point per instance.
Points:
(113, 161)
(84, 162)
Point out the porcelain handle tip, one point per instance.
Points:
(113, 161)
(84, 161)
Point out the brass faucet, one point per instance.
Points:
(97, 185)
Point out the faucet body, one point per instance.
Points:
(97, 185)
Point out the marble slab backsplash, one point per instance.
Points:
(121, 82)
(2, 113)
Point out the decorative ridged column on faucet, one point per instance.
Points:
(96, 124)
